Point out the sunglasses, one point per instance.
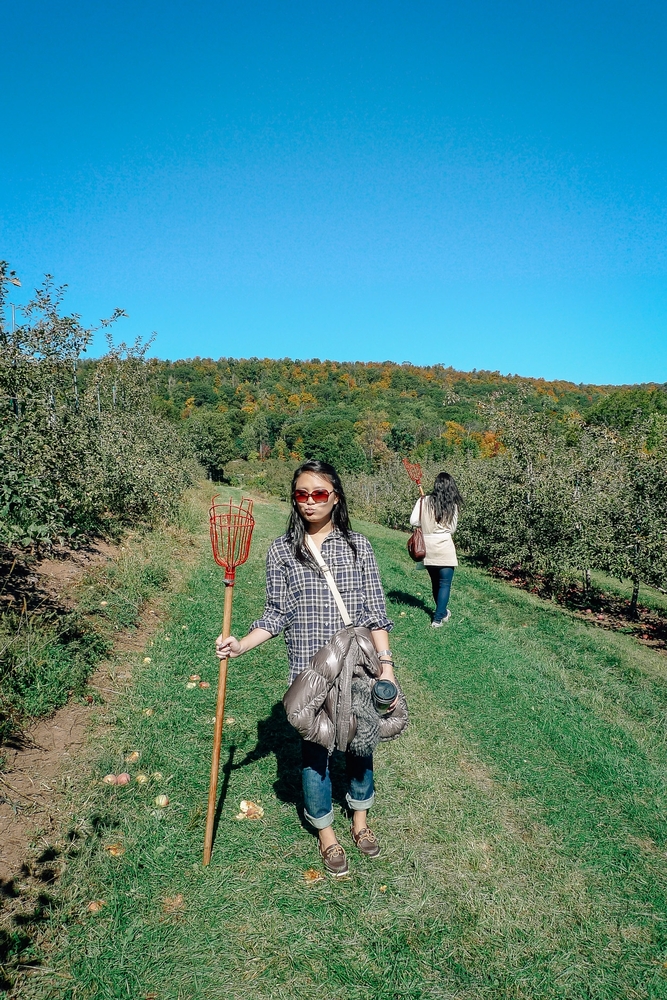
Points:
(317, 496)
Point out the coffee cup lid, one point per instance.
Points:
(385, 690)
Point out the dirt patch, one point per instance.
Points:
(34, 772)
(34, 815)
(37, 762)
(58, 576)
(41, 763)
(30, 584)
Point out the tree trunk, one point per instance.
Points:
(635, 597)
(587, 581)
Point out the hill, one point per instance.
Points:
(354, 413)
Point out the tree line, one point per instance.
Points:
(358, 414)
(361, 415)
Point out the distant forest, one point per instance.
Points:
(359, 415)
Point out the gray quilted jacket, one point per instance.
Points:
(319, 701)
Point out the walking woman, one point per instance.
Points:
(300, 604)
(438, 514)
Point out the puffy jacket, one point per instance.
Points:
(319, 701)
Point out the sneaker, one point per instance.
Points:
(335, 861)
(439, 624)
(366, 842)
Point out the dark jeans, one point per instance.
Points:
(318, 806)
(441, 582)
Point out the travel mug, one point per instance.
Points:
(383, 694)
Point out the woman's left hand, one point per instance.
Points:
(387, 673)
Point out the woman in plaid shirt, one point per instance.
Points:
(300, 604)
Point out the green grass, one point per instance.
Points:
(43, 660)
(522, 817)
(47, 658)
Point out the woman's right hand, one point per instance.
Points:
(229, 647)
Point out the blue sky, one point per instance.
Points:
(480, 184)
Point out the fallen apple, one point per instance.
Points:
(249, 810)
(312, 875)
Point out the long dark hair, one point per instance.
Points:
(296, 533)
(445, 500)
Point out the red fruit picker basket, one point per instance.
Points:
(414, 470)
(231, 527)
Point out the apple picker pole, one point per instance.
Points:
(414, 470)
(231, 530)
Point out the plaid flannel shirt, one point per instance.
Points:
(300, 604)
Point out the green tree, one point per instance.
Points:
(638, 506)
(81, 450)
(211, 439)
(372, 429)
(624, 407)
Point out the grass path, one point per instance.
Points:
(522, 817)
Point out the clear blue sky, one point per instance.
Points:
(474, 183)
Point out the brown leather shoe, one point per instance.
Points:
(335, 861)
(366, 842)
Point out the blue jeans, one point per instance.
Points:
(441, 582)
(318, 805)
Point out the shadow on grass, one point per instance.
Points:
(25, 907)
(400, 597)
(604, 609)
(276, 736)
(226, 772)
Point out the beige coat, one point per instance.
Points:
(440, 549)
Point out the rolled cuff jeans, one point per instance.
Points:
(318, 805)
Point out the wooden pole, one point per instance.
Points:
(217, 736)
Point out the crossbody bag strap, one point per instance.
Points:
(421, 514)
(328, 576)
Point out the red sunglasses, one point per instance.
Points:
(318, 496)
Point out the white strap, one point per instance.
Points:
(328, 576)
